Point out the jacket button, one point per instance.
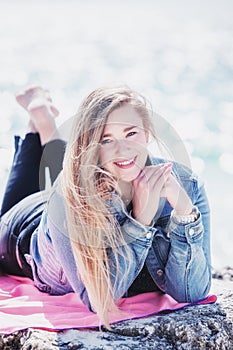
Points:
(148, 235)
(159, 272)
(191, 231)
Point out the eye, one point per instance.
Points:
(131, 133)
(105, 141)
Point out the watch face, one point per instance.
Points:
(195, 212)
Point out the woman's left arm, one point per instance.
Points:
(188, 269)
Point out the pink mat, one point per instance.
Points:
(22, 306)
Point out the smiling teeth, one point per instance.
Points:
(126, 162)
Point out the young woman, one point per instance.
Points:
(117, 221)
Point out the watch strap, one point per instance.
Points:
(186, 219)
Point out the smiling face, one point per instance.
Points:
(124, 144)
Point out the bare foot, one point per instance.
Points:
(38, 103)
(27, 96)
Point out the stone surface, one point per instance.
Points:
(224, 274)
(199, 327)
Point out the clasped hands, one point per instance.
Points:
(154, 182)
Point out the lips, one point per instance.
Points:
(125, 164)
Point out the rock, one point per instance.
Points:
(225, 274)
(200, 327)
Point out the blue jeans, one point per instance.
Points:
(24, 199)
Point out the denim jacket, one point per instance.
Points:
(177, 255)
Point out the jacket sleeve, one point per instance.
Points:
(188, 269)
(137, 237)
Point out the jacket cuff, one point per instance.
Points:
(186, 232)
(134, 230)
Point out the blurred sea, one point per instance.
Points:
(178, 53)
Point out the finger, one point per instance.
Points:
(156, 170)
(154, 176)
(159, 182)
(151, 173)
(148, 176)
(165, 188)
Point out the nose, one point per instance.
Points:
(121, 147)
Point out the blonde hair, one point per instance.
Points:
(88, 188)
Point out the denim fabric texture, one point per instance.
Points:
(177, 256)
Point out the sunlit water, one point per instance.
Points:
(178, 54)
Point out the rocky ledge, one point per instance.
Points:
(199, 327)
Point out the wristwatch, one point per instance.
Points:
(186, 219)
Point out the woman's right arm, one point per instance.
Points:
(138, 238)
(56, 228)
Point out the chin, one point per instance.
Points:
(130, 177)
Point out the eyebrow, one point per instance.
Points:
(125, 130)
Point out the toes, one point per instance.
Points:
(25, 97)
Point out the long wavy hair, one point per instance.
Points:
(87, 188)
